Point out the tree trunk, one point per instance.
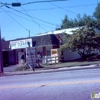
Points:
(83, 56)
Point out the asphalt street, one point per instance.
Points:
(64, 85)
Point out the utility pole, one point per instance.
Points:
(29, 33)
(1, 63)
(1, 59)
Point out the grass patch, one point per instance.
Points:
(59, 65)
(21, 68)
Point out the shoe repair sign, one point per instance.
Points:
(31, 56)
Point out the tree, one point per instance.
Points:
(66, 23)
(76, 22)
(97, 12)
(83, 40)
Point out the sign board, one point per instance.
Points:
(54, 55)
(54, 52)
(30, 56)
(20, 43)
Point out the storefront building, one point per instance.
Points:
(14, 49)
(43, 43)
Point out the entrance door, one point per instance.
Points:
(19, 56)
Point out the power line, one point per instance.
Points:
(75, 6)
(15, 20)
(27, 19)
(43, 1)
(2, 5)
(34, 2)
(34, 20)
(63, 8)
(31, 16)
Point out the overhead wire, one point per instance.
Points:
(35, 2)
(74, 6)
(27, 19)
(43, 1)
(2, 5)
(33, 19)
(15, 20)
(31, 16)
(63, 8)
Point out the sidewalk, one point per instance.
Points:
(51, 69)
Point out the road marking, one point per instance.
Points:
(49, 84)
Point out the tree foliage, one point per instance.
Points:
(78, 21)
(84, 41)
(97, 12)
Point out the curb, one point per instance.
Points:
(50, 70)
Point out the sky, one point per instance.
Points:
(18, 22)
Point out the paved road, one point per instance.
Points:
(66, 85)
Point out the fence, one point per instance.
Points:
(50, 60)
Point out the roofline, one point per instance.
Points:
(47, 33)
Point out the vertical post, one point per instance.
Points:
(29, 33)
(55, 59)
(33, 65)
(1, 64)
(46, 60)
